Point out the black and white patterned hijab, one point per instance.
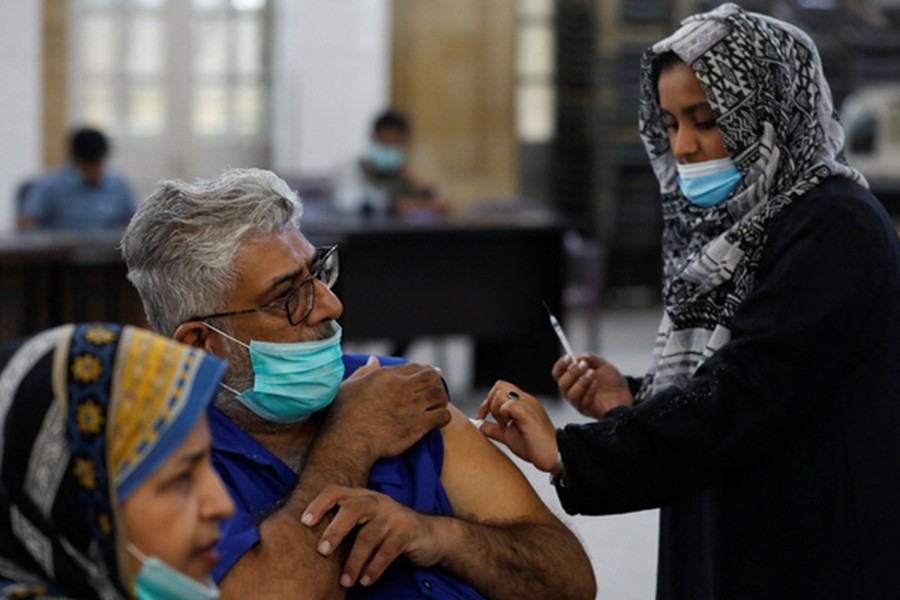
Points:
(763, 79)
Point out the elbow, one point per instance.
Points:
(582, 577)
(584, 584)
(590, 587)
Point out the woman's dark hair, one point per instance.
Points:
(662, 63)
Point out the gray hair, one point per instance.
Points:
(181, 245)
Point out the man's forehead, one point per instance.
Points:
(288, 240)
(266, 258)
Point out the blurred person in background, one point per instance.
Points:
(381, 182)
(81, 195)
(106, 485)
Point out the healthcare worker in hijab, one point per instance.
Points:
(768, 425)
(107, 486)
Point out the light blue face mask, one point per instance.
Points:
(708, 183)
(385, 158)
(292, 381)
(158, 581)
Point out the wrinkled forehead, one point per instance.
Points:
(272, 256)
(263, 247)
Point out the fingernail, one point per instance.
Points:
(306, 519)
(581, 364)
(346, 580)
(324, 548)
(365, 580)
(588, 374)
(371, 360)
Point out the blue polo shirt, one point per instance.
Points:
(61, 200)
(258, 481)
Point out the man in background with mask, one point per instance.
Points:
(381, 182)
(222, 265)
(82, 195)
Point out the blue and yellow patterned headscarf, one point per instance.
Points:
(87, 413)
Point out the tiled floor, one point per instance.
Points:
(622, 548)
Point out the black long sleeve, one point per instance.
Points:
(820, 309)
(776, 463)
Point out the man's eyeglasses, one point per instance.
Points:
(300, 299)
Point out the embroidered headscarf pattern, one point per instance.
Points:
(95, 410)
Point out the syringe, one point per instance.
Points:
(561, 335)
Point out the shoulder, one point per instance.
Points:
(481, 481)
(352, 362)
(116, 182)
(839, 214)
(840, 203)
(52, 181)
(114, 178)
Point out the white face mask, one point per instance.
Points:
(385, 158)
(158, 581)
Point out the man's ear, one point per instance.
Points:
(193, 333)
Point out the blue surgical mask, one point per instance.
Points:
(292, 381)
(158, 581)
(708, 183)
(385, 158)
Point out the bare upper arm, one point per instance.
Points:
(481, 481)
(283, 564)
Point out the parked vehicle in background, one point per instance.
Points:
(871, 118)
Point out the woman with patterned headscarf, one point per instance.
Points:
(768, 426)
(106, 487)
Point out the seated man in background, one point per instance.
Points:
(222, 265)
(381, 182)
(81, 195)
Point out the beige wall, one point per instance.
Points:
(20, 100)
(55, 40)
(453, 74)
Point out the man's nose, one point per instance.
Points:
(327, 305)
